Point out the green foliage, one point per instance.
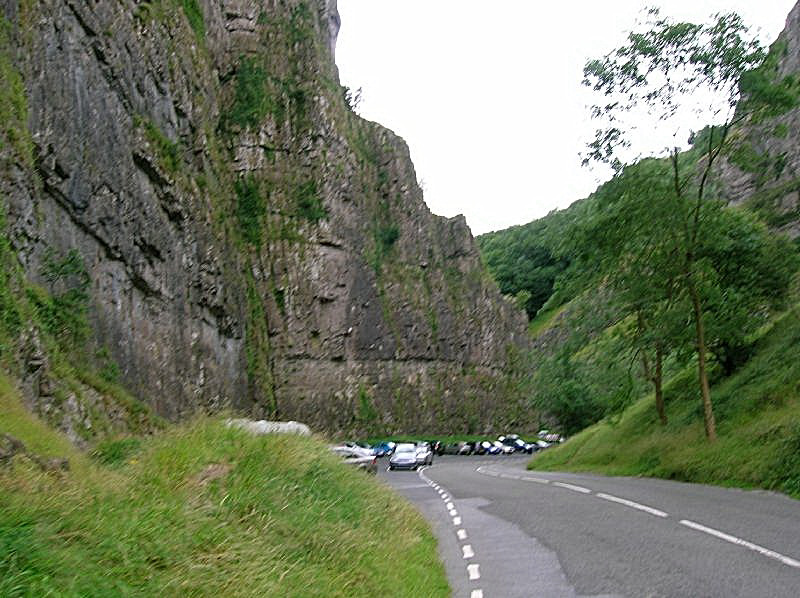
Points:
(63, 312)
(367, 414)
(588, 377)
(352, 98)
(252, 99)
(11, 317)
(108, 369)
(307, 202)
(163, 11)
(673, 255)
(212, 511)
(757, 409)
(661, 66)
(526, 261)
(250, 209)
(386, 236)
(169, 152)
(13, 102)
(258, 351)
(194, 14)
(116, 451)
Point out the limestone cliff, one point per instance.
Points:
(248, 240)
(765, 172)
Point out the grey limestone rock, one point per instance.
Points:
(333, 297)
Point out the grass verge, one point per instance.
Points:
(758, 426)
(203, 510)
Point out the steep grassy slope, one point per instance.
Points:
(202, 510)
(758, 416)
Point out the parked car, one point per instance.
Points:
(465, 448)
(404, 457)
(424, 453)
(515, 442)
(478, 448)
(504, 448)
(363, 447)
(357, 458)
(383, 448)
(451, 448)
(489, 448)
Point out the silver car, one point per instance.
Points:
(424, 453)
(404, 457)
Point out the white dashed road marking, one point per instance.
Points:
(633, 505)
(467, 551)
(656, 512)
(573, 487)
(734, 540)
(533, 479)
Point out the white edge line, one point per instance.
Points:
(533, 479)
(734, 540)
(632, 504)
(476, 594)
(467, 550)
(462, 534)
(580, 489)
(456, 520)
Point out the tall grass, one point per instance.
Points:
(205, 510)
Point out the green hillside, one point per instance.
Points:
(202, 510)
(758, 425)
(669, 331)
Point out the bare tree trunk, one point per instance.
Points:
(655, 377)
(659, 390)
(708, 411)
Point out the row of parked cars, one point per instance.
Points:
(411, 455)
(504, 445)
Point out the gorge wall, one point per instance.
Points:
(765, 174)
(248, 241)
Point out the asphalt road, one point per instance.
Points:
(507, 532)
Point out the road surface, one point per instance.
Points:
(506, 532)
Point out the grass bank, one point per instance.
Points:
(203, 510)
(758, 425)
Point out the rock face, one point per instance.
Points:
(767, 175)
(249, 240)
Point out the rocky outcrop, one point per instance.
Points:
(249, 240)
(765, 171)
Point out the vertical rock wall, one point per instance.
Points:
(250, 241)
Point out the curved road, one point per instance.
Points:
(507, 532)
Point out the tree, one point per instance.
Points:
(662, 66)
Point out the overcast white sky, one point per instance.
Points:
(488, 94)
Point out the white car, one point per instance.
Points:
(424, 453)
